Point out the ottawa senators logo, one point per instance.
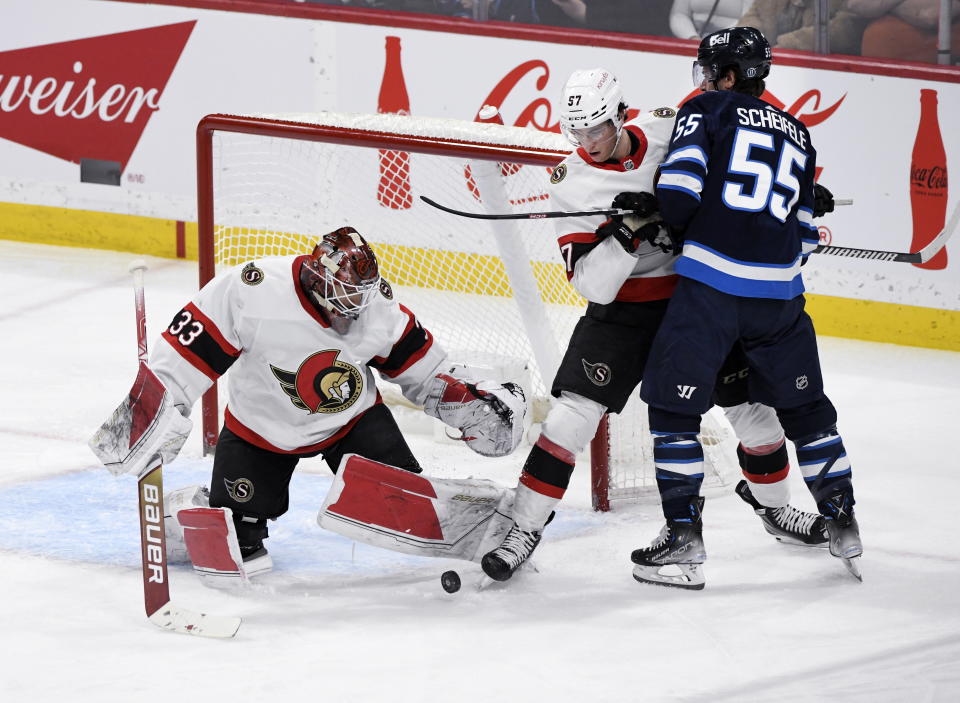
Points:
(599, 373)
(322, 384)
(251, 275)
(558, 173)
(664, 112)
(386, 290)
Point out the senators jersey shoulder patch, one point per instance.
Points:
(251, 275)
(664, 112)
(559, 173)
(386, 290)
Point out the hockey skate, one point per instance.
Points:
(843, 532)
(500, 563)
(679, 545)
(787, 524)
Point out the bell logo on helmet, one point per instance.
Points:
(717, 39)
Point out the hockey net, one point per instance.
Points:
(493, 292)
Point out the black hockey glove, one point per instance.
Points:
(822, 200)
(659, 235)
(616, 228)
(645, 204)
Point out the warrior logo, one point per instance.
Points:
(322, 384)
(251, 275)
(240, 490)
(599, 374)
(558, 173)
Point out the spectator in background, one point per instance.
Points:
(789, 24)
(905, 29)
(555, 13)
(649, 17)
(692, 19)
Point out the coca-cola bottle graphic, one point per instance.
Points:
(488, 114)
(394, 190)
(928, 180)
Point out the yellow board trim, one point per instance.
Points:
(839, 317)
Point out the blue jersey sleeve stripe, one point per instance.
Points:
(691, 152)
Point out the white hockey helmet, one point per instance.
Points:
(590, 98)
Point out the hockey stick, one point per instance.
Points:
(525, 215)
(609, 212)
(153, 543)
(917, 257)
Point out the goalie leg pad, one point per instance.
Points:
(387, 507)
(211, 542)
(174, 502)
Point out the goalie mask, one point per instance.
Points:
(591, 103)
(341, 276)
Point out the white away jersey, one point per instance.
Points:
(601, 270)
(295, 384)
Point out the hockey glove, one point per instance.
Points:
(822, 200)
(489, 415)
(644, 204)
(659, 235)
(145, 425)
(615, 227)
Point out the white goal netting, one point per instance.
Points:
(493, 293)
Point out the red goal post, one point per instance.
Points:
(493, 292)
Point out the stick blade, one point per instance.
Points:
(187, 622)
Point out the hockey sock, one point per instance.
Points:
(825, 467)
(543, 481)
(766, 469)
(679, 468)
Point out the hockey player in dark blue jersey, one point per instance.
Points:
(737, 189)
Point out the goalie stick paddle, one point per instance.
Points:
(153, 545)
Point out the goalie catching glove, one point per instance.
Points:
(489, 415)
(145, 425)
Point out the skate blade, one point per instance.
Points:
(853, 566)
(690, 577)
(800, 543)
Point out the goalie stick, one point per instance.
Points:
(153, 545)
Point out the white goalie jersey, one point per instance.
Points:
(601, 270)
(295, 385)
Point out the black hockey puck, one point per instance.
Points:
(450, 580)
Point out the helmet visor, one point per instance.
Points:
(599, 137)
(702, 75)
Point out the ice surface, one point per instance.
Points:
(350, 623)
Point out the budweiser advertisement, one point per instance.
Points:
(127, 82)
(88, 98)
